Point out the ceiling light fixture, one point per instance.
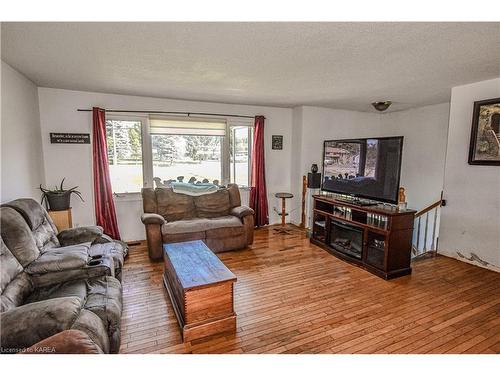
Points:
(381, 106)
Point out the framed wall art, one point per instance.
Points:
(484, 146)
(277, 142)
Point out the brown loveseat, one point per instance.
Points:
(218, 219)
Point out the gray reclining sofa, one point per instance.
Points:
(48, 287)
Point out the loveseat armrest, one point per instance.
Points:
(241, 211)
(149, 218)
(26, 325)
(78, 235)
(153, 223)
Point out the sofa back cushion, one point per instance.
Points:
(41, 225)
(213, 205)
(15, 284)
(173, 206)
(17, 236)
(234, 195)
(10, 266)
(149, 201)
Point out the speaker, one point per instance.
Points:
(314, 180)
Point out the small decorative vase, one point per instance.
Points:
(314, 168)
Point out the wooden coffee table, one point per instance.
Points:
(200, 287)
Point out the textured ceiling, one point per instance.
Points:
(338, 65)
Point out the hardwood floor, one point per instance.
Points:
(293, 297)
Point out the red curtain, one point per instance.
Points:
(103, 194)
(258, 193)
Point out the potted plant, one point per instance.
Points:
(59, 199)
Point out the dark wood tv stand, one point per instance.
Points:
(377, 238)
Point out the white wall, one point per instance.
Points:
(424, 130)
(316, 125)
(58, 114)
(22, 165)
(470, 223)
(295, 204)
(424, 150)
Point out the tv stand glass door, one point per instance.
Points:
(346, 238)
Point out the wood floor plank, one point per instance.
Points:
(293, 297)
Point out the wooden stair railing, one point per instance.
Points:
(427, 248)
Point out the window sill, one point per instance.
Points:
(127, 197)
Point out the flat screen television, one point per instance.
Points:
(364, 167)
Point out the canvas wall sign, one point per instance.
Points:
(485, 136)
(82, 138)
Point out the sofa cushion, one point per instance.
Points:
(45, 237)
(17, 236)
(16, 292)
(10, 266)
(60, 259)
(15, 283)
(213, 205)
(76, 288)
(93, 326)
(149, 200)
(32, 211)
(184, 226)
(105, 300)
(173, 206)
(234, 195)
(200, 225)
(40, 223)
(73, 236)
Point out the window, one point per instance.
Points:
(124, 142)
(188, 158)
(171, 149)
(240, 146)
(187, 150)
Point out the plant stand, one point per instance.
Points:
(62, 219)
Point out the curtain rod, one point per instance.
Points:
(171, 113)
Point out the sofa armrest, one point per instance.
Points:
(63, 264)
(148, 218)
(241, 211)
(26, 325)
(78, 235)
(60, 259)
(71, 341)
